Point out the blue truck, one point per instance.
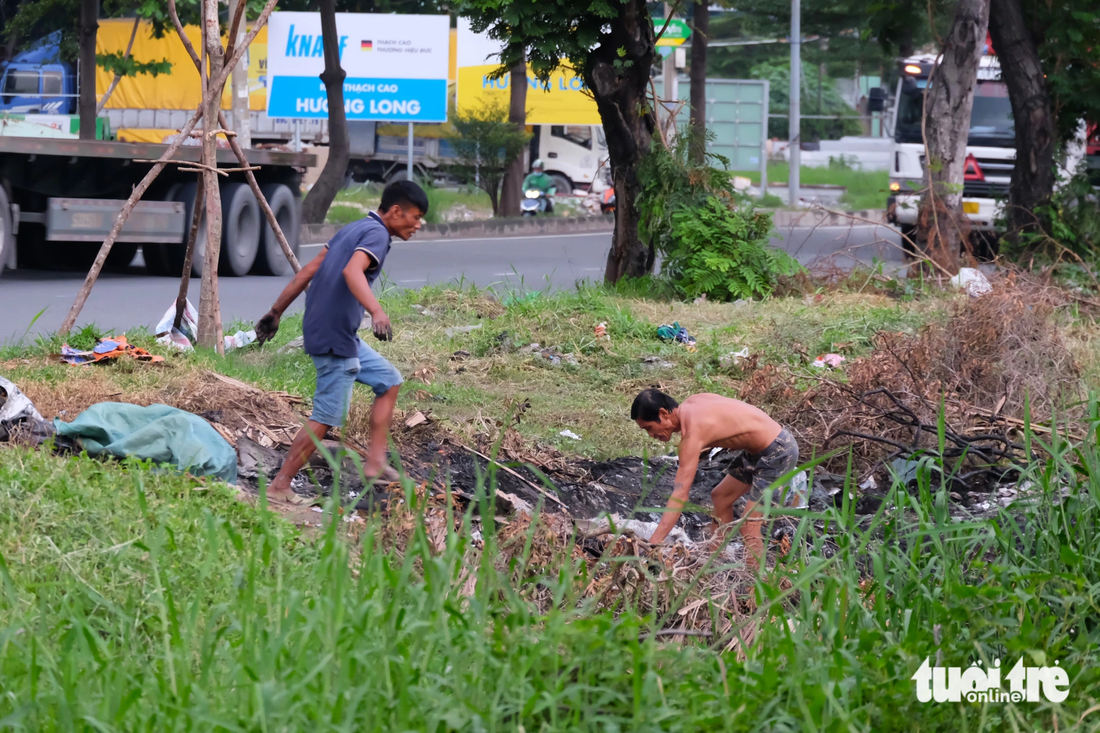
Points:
(59, 196)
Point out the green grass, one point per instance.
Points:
(137, 600)
(866, 189)
(440, 202)
(592, 397)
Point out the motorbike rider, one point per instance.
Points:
(537, 180)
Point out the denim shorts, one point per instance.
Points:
(337, 374)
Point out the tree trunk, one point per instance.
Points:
(89, 11)
(698, 77)
(949, 99)
(510, 189)
(619, 85)
(335, 171)
(1033, 177)
(210, 320)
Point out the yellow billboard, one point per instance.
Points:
(563, 100)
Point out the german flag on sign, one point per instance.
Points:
(366, 45)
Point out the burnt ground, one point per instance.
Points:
(629, 487)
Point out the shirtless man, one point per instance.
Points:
(765, 452)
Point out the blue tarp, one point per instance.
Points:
(158, 432)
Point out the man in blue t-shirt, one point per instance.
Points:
(342, 276)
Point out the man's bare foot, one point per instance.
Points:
(384, 475)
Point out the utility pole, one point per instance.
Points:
(668, 70)
(242, 121)
(794, 149)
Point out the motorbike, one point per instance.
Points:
(535, 202)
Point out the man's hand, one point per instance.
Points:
(380, 324)
(267, 327)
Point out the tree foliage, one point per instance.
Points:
(711, 239)
(485, 144)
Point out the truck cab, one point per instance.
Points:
(572, 154)
(35, 82)
(990, 149)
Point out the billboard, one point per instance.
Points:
(396, 66)
(563, 100)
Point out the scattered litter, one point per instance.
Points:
(108, 349)
(18, 414)
(833, 361)
(317, 509)
(734, 358)
(460, 355)
(239, 340)
(667, 459)
(610, 524)
(973, 281)
(713, 453)
(601, 331)
(299, 342)
(253, 459)
(658, 362)
(182, 337)
(869, 484)
(798, 495)
(741, 183)
(551, 355)
(532, 347)
(569, 434)
(460, 329)
(676, 333)
(417, 418)
(700, 300)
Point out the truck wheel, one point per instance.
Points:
(562, 184)
(284, 204)
(176, 254)
(7, 239)
(156, 254)
(240, 230)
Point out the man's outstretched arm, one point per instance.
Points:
(685, 477)
(267, 326)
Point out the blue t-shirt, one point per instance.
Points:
(333, 315)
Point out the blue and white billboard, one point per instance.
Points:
(396, 66)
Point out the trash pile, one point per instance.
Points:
(677, 334)
(183, 337)
(107, 349)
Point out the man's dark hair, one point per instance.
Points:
(403, 194)
(647, 405)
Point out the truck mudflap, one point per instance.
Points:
(90, 220)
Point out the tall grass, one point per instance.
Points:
(132, 599)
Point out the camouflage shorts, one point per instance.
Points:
(761, 470)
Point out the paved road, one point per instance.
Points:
(124, 300)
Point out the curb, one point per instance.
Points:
(487, 228)
(819, 217)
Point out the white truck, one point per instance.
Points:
(990, 148)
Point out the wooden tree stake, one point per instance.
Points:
(143, 185)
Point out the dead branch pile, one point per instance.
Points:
(992, 358)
